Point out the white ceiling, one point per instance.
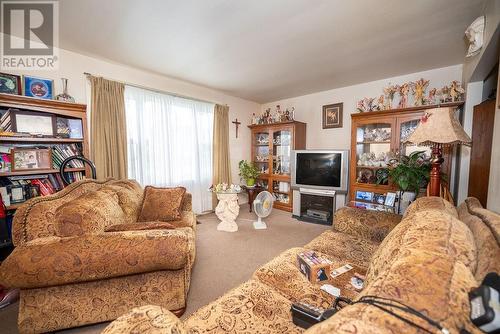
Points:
(265, 50)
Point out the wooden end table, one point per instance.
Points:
(252, 193)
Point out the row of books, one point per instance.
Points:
(5, 123)
(17, 189)
(63, 151)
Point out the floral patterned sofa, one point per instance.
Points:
(74, 269)
(428, 260)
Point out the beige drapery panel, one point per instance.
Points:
(108, 136)
(221, 160)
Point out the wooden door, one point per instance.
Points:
(480, 158)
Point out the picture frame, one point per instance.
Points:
(364, 195)
(17, 194)
(390, 199)
(33, 123)
(38, 87)
(10, 84)
(31, 158)
(379, 199)
(333, 115)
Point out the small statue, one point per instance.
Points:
(456, 91)
(368, 103)
(389, 95)
(432, 96)
(403, 91)
(445, 94)
(381, 102)
(418, 88)
(360, 106)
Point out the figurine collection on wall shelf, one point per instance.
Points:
(277, 116)
(419, 96)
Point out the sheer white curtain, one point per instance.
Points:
(170, 142)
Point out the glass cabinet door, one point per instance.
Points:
(406, 128)
(261, 151)
(373, 153)
(281, 152)
(281, 191)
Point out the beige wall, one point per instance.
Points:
(494, 182)
(73, 65)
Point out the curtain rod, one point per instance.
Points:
(155, 90)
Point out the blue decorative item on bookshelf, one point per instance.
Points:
(38, 87)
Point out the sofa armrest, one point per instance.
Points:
(57, 261)
(187, 202)
(368, 224)
(146, 319)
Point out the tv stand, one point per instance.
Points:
(314, 205)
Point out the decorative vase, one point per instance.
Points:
(250, 182)
(65, 96)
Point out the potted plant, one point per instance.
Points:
(410, 174)
(248, 172)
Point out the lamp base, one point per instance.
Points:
(435, 173)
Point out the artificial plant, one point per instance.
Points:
(248, 172)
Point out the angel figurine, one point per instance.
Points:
(432, 96)
(418, 89)
(456, 91)
(403, 91)
(389, 95)
(368, 102)
(445, 94)
(381, 102)
(360, 106)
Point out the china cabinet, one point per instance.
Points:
(376, 138)
(271, 153)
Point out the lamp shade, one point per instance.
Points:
(440, 126)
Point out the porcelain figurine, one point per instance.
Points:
(431, 99)
(360, 106)
(368, 102)
(418, 88)
(445, 94)
(403, 91)
(381, 102)
(389, 92)
(474, 34)
(456, 91)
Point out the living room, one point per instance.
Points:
(249, 167)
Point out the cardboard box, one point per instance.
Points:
(314, 267)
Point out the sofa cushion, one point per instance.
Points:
(130, 195)
(430, 203)
(162, 204)
(139, 227)
(434, 284)
(488, 250)
(283, 275)
(252, 307)
(357, 251)
(92, 257)
(490, 218)
(367, 224)
(91, 212)
(431, 230)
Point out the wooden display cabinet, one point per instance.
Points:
(272, 145)
(380, 133)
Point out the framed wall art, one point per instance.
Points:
(332, 115)
(10, 84)
(38, 87)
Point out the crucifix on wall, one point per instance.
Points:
(237, 124)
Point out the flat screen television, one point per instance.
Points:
(320, 169)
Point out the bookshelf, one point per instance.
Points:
(56, 109)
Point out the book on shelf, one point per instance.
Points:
(63, 151)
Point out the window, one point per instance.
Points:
(170, 142)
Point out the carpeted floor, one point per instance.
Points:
(223, 260)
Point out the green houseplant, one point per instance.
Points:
(409, 173)
(248, 172)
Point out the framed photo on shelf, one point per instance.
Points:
(10, 84)
(364, 195)
(390, 199)
(17, 194)
(332, 115)
(379, 198)
(33, 123)
(38, 87)
(31, 158)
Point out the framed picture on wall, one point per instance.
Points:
(332, 115)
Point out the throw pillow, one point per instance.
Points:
(161, 204)
(140, 227)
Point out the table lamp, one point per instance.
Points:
(438, 128)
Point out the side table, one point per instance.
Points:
(252, 192)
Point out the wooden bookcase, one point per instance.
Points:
(271, 153)
(58, 108)
(398, 124)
